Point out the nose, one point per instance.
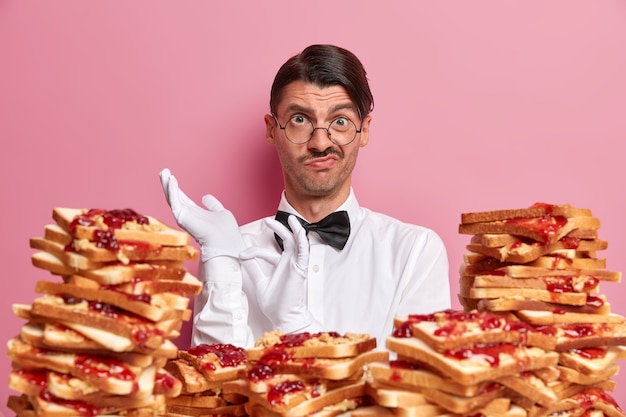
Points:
(320, 140)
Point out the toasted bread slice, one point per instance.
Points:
(123, 251)
(589, 335)
(297, 403)
(216, 362)
(575, 299)
(313, 345)
(325, 368)
(546, 230)
(114, 377)
(154, 308)
(494, 267)
(125, 224)
(471, 365)
(529, 385)
(523, 252)
(452, 329)
(536, 210)
(410, 375)
(591, 360)
(595, 304)
(103, 317)
(193, 380)
(545, 318)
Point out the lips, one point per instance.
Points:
(322, 163)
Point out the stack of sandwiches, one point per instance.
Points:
(540, 265)
(203, 371)
(302, 374)
(97, 338)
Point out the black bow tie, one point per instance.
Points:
(334, 229)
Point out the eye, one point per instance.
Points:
(341, 124)
(299, 120)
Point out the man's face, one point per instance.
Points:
(318, 167)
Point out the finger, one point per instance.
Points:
(301, 242)
(281, 230)
(268, 255)
(174, 196)
(212, 203)
(165, 175)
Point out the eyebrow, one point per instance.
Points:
(334, 109)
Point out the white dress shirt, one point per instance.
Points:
(387, 268)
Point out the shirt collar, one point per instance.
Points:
(351, 205)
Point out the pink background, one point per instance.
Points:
(479, 105)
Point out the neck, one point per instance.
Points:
(315, 208)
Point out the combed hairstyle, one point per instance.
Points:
(325, 66)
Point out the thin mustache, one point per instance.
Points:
(315, 155)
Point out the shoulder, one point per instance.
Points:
(387, 225)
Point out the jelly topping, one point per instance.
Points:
(487, 352)
(277, 393)
(114, 219)
(590, 352)
(104, 368)
(80, 407)
(227, 354)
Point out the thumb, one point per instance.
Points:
(212, 203)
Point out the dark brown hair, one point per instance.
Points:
(324, 66)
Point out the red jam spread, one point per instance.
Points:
(104, 368)
(144, 297)
(277, 393)
(548, 226)
(114, 219)
(566, 284)
(228, 355)
(590, 352)
(487, 352)
(298, 339)
(82, 408)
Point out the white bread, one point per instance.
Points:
(452, 329)
(193, 381)
(124, 252)
(545, 318)
(149, 335)
(525, 271)
(326, 368)
(121, 378)
(216, 362)
(588, 335)
(510, 360)
(591, 360)
(87, 223)
(528, 385)
(545, 230)
(316, 345)
(412, 376)
(151, 307)
(596, 304)
(522, 252)
(536, 210)
(297, 404)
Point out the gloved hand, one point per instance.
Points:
(214, 228)
(282, 296)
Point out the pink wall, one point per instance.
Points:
(479, 105)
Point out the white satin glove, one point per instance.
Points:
(214, 228)
(282, 296)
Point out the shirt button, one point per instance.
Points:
(316, 268)
(238, 316)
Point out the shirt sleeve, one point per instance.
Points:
(221, 308)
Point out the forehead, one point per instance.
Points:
(300, 95)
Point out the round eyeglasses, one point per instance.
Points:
(298, 130)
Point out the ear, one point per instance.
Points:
(365, 131)
(270, 129)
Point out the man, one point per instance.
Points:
(262, 277)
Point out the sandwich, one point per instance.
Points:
(98, 335)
